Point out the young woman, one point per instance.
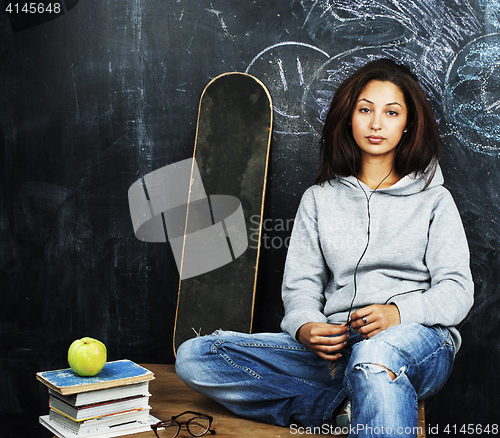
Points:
(377, 277)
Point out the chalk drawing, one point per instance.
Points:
(436, 22)
(491, 15)
(472, 95)
(220, 18)
(374, 30)
(285, 68)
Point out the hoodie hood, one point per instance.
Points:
(408, 185)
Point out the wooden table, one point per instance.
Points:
(171, 396)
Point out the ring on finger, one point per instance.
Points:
(364, 320)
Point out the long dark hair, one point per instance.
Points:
(340, 154)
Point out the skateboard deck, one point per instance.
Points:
(231, 156)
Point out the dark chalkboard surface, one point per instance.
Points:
(106, 92)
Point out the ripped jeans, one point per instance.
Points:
(272, 378)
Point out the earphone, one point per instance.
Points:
(368, 198)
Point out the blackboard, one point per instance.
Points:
(107, 91)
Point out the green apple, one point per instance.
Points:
(87, 356)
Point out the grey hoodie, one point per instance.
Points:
(417, 256)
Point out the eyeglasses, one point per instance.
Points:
(197, 425)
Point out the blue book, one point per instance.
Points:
(114, 374)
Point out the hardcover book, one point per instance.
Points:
(106, 432)
(108, 423)
(117, 373)
(97, 410)
(102, 395)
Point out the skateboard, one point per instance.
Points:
(230, 157)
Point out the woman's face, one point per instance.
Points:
(379, 119)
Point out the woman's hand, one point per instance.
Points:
(326, 340)
(371, 320)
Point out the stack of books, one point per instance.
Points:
(113, 403)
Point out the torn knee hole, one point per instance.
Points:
(391, 374)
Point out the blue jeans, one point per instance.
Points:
(273, 378)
